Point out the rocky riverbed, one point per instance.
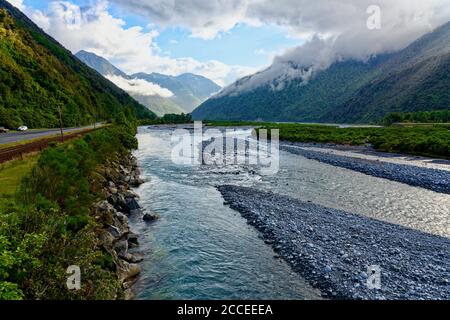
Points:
(432, 179)
(333, 249)
(119, 203)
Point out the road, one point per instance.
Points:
(38, 133)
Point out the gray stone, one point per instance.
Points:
(121, 247)
(114, 231)
(149, 217)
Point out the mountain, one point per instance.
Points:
(157, 104)
(200, 86)
(38, 76)
(160, 105)
(188, 90)
(103, 66)
(416, 78)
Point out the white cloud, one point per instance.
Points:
(334, 29)
(17, 3)
(132, 49)
(139, 87)
(204, 18)
(303, 18)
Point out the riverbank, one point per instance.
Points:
(332, 249)
(120, 203)
(430, 141)
(69, 210)
(428, 178)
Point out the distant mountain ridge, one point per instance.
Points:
(189, 90)
(416, 78)
(38, 76)
(100, 64)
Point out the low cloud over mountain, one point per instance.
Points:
(139, 86)
(333, 30)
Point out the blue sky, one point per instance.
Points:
(228, 39)
(242, 45)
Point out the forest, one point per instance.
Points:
(39, 80)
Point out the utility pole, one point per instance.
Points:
(60, 123)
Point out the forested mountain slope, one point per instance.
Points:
(38, 76)
(416, 78)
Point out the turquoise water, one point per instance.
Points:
(201, 249)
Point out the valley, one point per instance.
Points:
(224, 151)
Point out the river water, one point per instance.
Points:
(201, 249)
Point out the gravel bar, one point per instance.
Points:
(432, 179)
(333, 249)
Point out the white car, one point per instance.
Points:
(22, 128)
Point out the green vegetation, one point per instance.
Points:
(428, 141)
(295, 101)
(432, 140)
(49, 224)
(169, 119)
(38, 77)
(414, 79)
(440, 116)
(159, 105)
(189, 90)
(11, 174)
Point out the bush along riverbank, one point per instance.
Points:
(71, 210)
(432, 140)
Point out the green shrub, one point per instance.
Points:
(432, 140)
(51, 226)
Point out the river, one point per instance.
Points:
(201, 249)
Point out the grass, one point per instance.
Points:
(11, 174)
(432, 140)
(52, 135)
(49, 219)
(24, 142)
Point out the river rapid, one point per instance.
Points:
(202, 249)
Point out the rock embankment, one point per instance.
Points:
(113, 212)
(432, 179)
(333, 249)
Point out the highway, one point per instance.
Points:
(12, 137)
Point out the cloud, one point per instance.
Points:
(132, 49)
(303, 18)
(334, 30)
(17, 3)
(204, 18)
(139, 87)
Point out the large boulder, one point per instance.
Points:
(121, 247)
(133, 240)
(127, 271)
(135, 181)
(131, 204)
(150, 217)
